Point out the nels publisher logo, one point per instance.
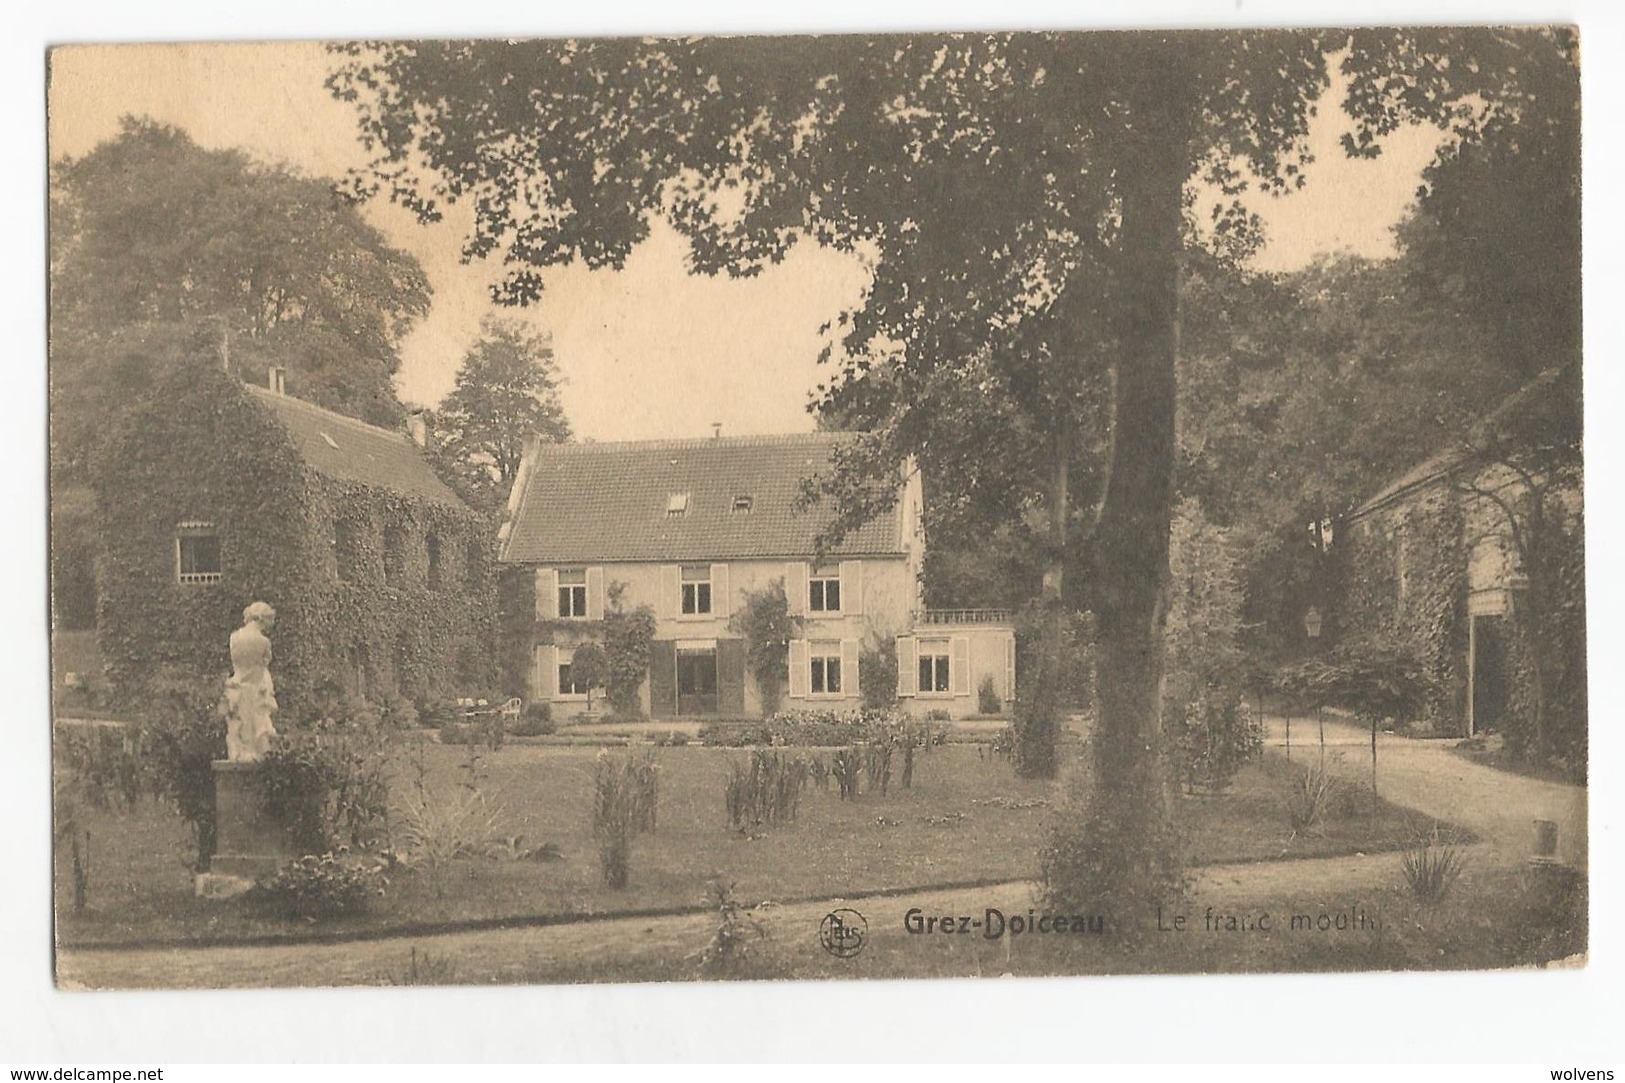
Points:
(843, 932)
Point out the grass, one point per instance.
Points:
(966, 820)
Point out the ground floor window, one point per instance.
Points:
(826, 669)
(568, 684)
(934, 663)
(197, 553)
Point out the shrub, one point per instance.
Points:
(1375, 681)
(987, 697)
(435, 828)
(1214, 732)
(766, 789)
(537, 721)
(436, 712)
(938, 714)
(1310, 799)
(425, 969)
(625, 793)
(315, 888)
(590, 666)
(627, 638)
(329, 784)
(767, 627)
(1431, 866)
(877, 675)
(731, 948)
(182, 732)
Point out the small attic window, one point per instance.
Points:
(677, 504)
(742, 503)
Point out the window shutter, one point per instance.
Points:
(1010, 670)
(852, 587)
(800, 669)
(908, 666)
(547, 684)
(671, 592)
(595, 594)
(795, 587)
(547, 594)
(959, 672)
(849, 667)
(721, 601)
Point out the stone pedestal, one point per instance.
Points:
(248, 843)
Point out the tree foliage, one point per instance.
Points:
(506, 391)
(164, 252)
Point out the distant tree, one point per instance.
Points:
(163, 252)
(507, 390)
(590, 666)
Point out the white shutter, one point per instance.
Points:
(547, 683)
(795, 587)
(800, 669)
(849, 668)
(959, 672)
(671, 592)
(908, 666)
(1010, 670)
(547, 594)
(595, 594)
(721, 600)
(852, 587)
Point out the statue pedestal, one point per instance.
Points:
(248, 843)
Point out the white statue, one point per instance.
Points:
(250, 696)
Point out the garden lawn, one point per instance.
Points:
(967, 820)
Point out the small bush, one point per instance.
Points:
(766, 789)
(987, 697)
(425, 969)
(877, 675)
(938, 714)
(731, 949)
(1431, 866)
(537, 721)
(313, 888)
(625, 794)
(1310, 799)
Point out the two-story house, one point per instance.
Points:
(690, 528)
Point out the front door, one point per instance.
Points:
(697, 682)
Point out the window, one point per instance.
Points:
(394, 555)
(573, 593)
(568, 685)
(824, 591)
(197, 553)
(742, 503)
(696, 589)
(677, 504)
(432, 544)
(826, 669)
(934, 656)
(344, 549)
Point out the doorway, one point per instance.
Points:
(1489, 673)
(697, 681)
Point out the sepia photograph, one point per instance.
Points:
(928, 505)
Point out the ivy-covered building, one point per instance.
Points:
(1437, 563)
(215, 494)
(690, 529)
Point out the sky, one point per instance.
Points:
(648, 351)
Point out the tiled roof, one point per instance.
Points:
(345, 449)
(614, 502)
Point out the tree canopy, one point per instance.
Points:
(164, 250)
(506, 391)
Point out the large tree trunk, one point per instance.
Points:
(1038, 720)
(1133, 793)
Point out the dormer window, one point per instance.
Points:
(742, 504)
(677, 504)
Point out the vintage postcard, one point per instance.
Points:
(889, 506)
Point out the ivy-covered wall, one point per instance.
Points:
(202, 450)
(1404, 584)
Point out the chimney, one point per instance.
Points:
(716, 430)
(276, 379)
